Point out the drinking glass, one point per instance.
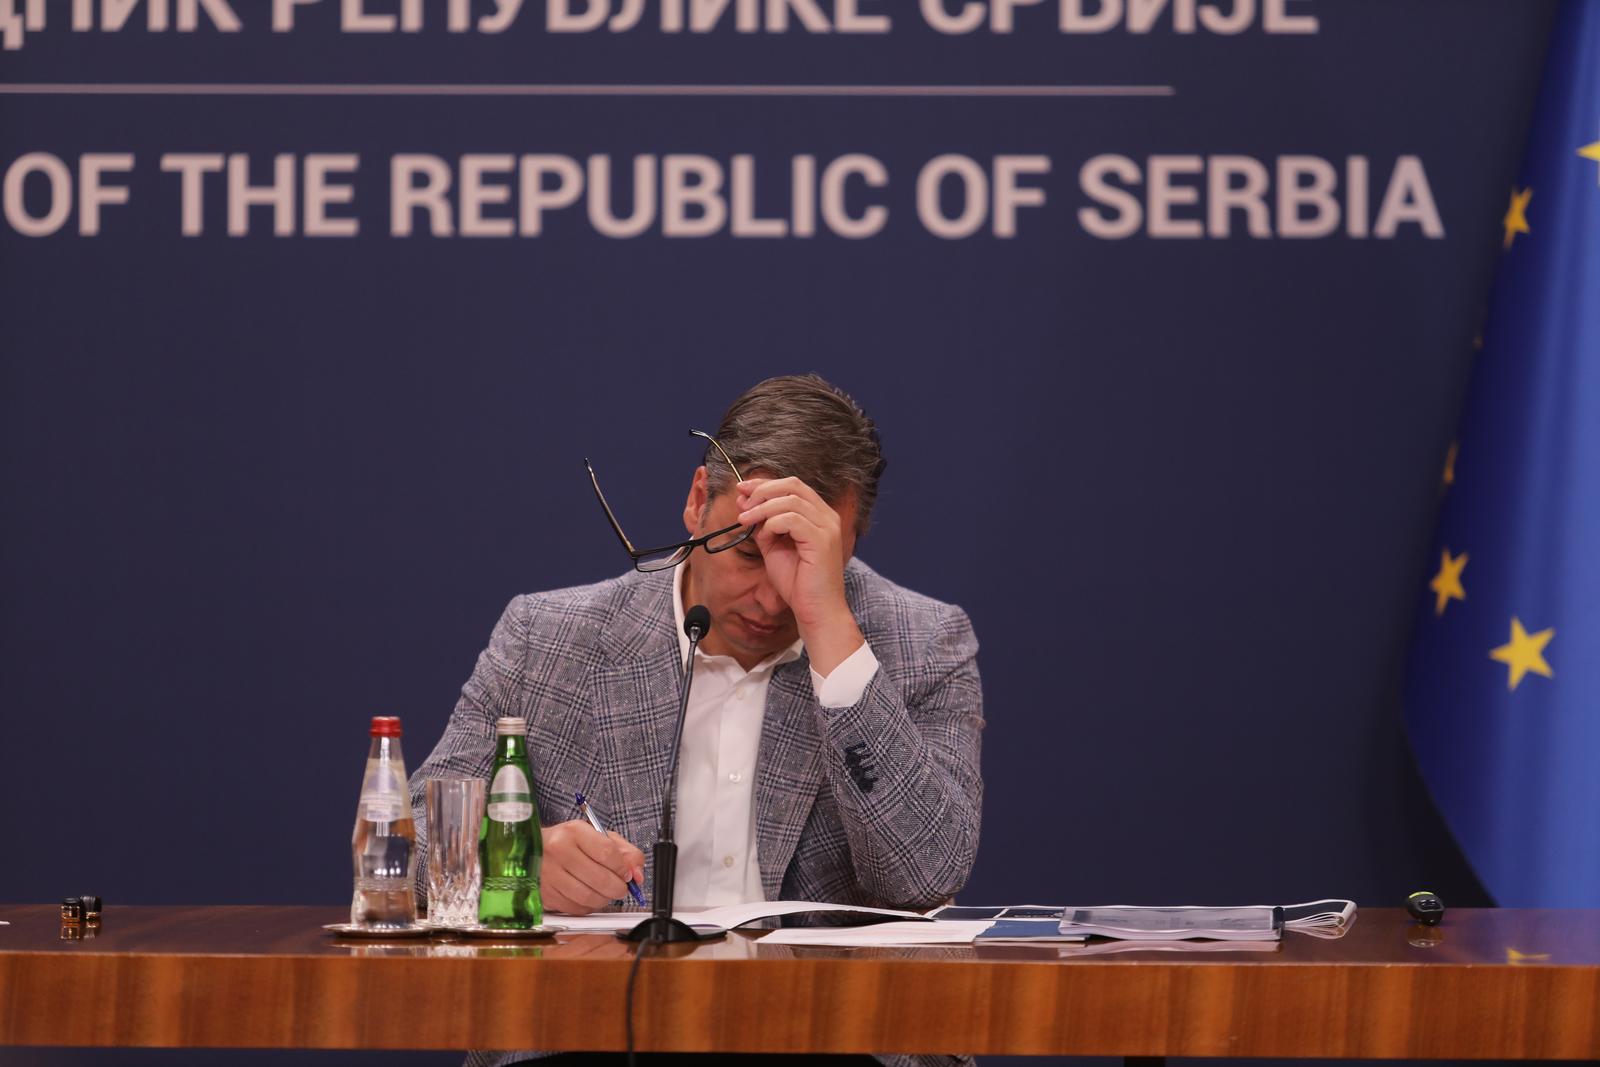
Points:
(455, 815)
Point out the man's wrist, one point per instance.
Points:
(831, 642)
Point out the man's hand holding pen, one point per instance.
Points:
(585, 870)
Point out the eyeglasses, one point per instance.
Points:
(669, 556)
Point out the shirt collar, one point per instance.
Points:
(777, 659)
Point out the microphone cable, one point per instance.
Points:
(633, 974)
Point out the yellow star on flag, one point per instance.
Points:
(1516, 220)
(1447, 583)
(1524, 653)
(1592, 151)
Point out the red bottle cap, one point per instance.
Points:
(385, 726)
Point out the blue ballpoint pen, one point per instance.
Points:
(588, 813)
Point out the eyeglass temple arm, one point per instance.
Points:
(737, 477)
(610, 517)
(721, 452)
(617, 526)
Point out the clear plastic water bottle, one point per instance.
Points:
(384, 844)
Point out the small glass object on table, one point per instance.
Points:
(455, 818)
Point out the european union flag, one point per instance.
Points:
(1503, 694)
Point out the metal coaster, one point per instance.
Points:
(378, 933)
(497, 934)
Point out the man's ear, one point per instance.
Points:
(695, 505)
(846, 510)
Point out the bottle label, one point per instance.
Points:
(383, 795)
(510, 797)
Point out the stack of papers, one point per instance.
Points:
(1160, 926)
(1255, 922)
(1128, 923)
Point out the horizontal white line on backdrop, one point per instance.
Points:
(136, 89)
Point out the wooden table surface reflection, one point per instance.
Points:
(1504, 983)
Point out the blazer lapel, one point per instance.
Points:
(636, 700)
(789, 771)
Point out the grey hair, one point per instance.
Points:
(801, 426)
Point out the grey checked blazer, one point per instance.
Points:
(875, 804)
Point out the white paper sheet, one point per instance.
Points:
(953, 932)
(610, 922)
(724, 918)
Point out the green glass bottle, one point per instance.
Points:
(510, 845)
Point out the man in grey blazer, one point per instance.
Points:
(838, 730)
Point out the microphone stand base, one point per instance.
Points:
(662, 928)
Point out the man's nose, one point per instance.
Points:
(767, 598)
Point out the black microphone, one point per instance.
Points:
(696, 623)
(661, 926)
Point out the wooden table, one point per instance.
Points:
(1486, 984)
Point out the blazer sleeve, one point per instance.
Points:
(903, 764)
(467, 748)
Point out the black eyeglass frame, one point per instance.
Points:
(670, 556)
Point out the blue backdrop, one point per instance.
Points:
(1178, 460)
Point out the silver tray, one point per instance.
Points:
(496, 934)
(378, 933)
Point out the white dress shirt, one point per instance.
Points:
(716, 817)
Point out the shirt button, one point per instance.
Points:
(727, 861)
(736, 777)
